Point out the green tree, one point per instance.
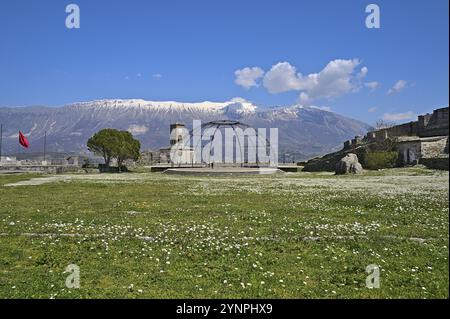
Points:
(125, 147)
(111, 143)
(102, 143)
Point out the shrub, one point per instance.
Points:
(380, 159)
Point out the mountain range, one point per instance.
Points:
(304, 132)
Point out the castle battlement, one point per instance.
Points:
(427, 125)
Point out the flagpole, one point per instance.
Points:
(1, 140)
(45, 143)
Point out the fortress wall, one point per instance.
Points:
(407, 129)
(428, 125)
(435, 163)
(431, 149)
(437, 124)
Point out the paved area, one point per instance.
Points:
(37, 181)
(4, 172)
(222, 171)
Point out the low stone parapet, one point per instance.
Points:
(441, 163)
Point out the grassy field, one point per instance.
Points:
(298, 235)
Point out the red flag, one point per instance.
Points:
(23, 140)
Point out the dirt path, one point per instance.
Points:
(37, 181)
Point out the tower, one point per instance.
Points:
(181, 153)
(177, 131)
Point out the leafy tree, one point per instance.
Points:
(111, 143)
(102, 144)
(125, 147)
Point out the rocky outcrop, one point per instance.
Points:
(349, 165)
(328, 162)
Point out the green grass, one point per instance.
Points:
(299, 235)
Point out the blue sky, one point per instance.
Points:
(190, 51)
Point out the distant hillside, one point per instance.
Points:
(303, 131)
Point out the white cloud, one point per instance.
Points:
(156, 76)
(363, 72)
(338, 78)
(399, 116)
(372, 85)
(304, 99)
(238, 100)
(372, 109)
(398, 86)
(282, 77)
(322, 108)
(137, 129)
(248, 77)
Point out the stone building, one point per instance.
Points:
(413, 149)
(183, 155)
(8, 160)
(417, 141)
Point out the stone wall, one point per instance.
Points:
(436, 163)
(414, 149)
(409, 152)
(148, 158)
(48, 169)
(428, 125)
(422, 139)
(407, 129)
(435, 124)
(434, 148)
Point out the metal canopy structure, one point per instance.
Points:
(242, 147)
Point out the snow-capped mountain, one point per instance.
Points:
(303, 131)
